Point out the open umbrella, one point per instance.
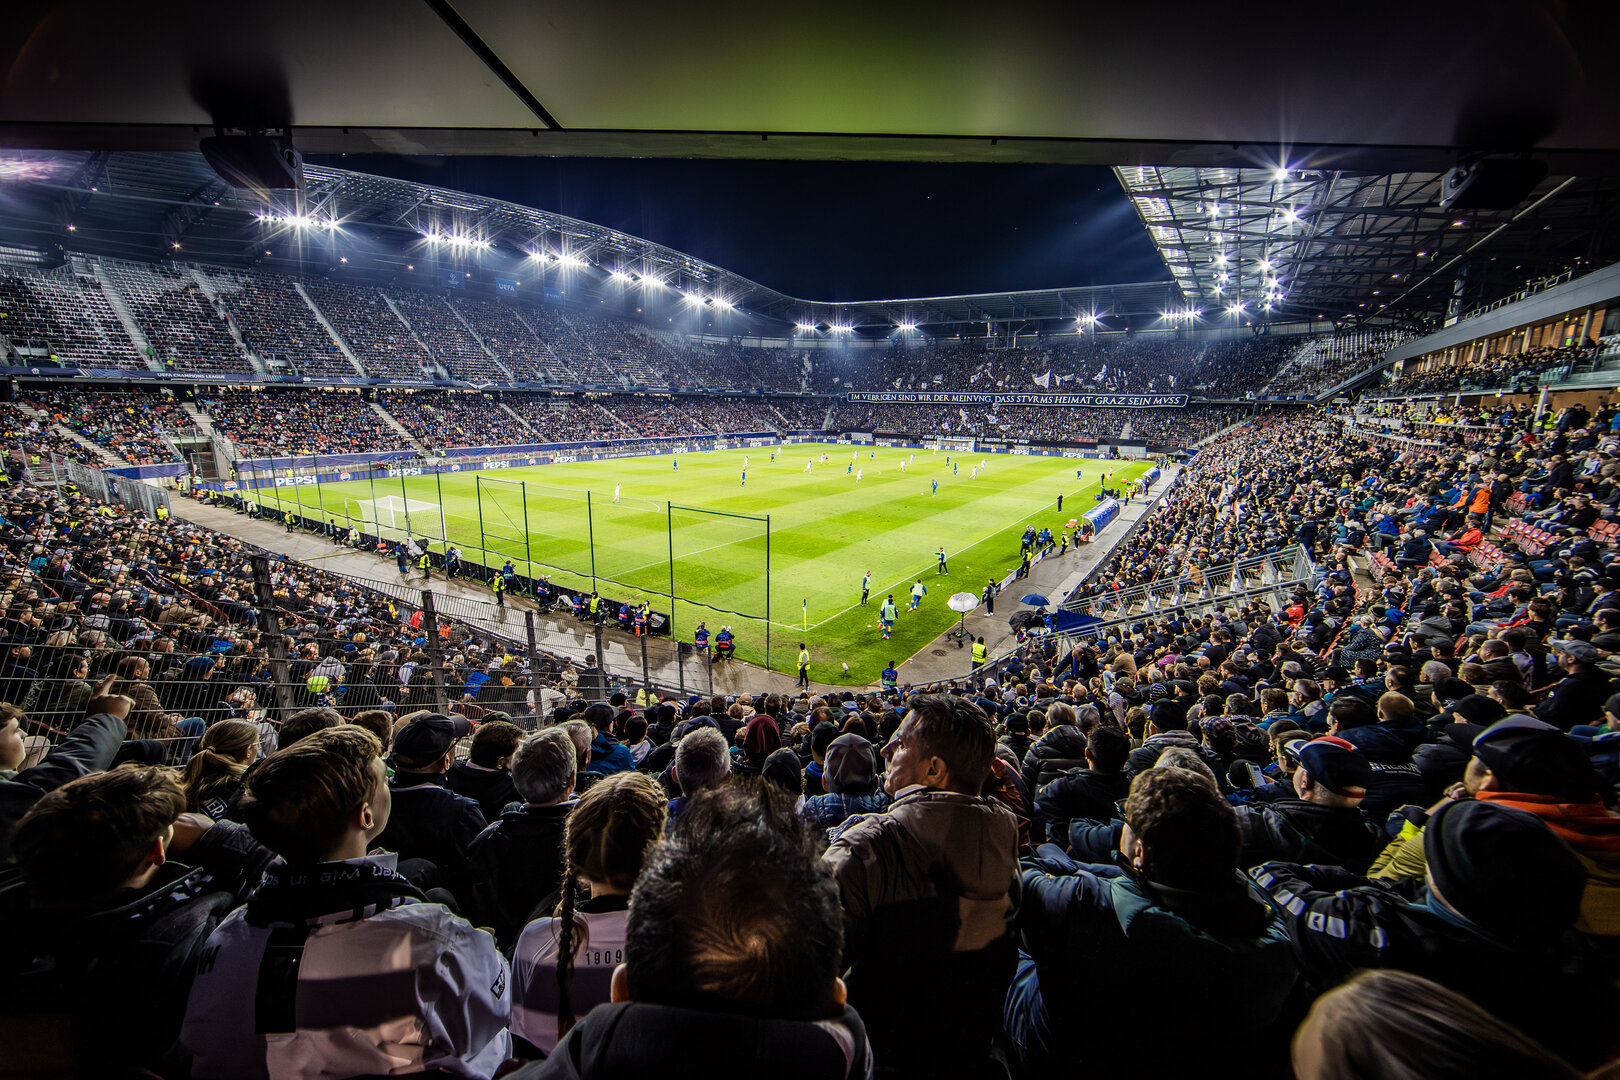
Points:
(1035, 599)
(962, 602)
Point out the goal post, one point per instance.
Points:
(395, 517)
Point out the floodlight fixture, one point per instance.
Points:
(805, 327)
(840, 328)
(619, 275)
(907, 327)
(570, 259)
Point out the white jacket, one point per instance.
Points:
(396, 986)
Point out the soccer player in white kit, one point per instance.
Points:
(858, 475)
(615, 492)
(807, 464)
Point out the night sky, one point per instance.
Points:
(835, 231)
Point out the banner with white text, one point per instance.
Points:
(1077, 401)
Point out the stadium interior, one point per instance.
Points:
(353, 723)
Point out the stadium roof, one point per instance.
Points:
(1304, 242)
(159, 206)
(1382, 87)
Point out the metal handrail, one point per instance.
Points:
(1256, 573)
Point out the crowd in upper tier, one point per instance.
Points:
(1365, 833)
(191, 317)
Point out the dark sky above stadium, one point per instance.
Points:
(835, 231)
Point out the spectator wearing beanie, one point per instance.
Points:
(1529, 765)
(1493, 921)
(1323, 823)
(852, 784)
(761, 737)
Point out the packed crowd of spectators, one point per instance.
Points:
(1037, 423)
(278, 326)
(1236, 368)
(35, 440)
(272, 423)
(184, 329)
(441, 419)
(1368, 834)
(383, 344)
(1328, 360)
(67, 315)
(1493, 371)
(1137, 364)
(447, 337)
(129, 425)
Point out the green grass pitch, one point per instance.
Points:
(826, 529)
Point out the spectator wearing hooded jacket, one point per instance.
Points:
(744, 980)
(1323, 823)
(517, 861)
(1493, 919)
(608, 755)
(1089, 793)
(1062, 747)
(290, 985)
(1181, 903)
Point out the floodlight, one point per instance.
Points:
(1280, 175)
(907, 327)
(805, 328)
(619, 275)
(722, 304)
(838, 328)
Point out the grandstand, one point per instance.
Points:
(1243, 642)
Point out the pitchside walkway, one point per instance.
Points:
(622, 659)
(1052, 578)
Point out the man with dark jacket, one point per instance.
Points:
(1167, 727)
(1181, 905)
(429, 822)
(928, 894)
(517, 861)
(89, 748)
(1492, 922)
(743, 984)
(485, 777)
(1061, 748)
(104, 905)
(1579, 698)
(1324, 824)
(1089, 793)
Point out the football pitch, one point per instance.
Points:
(703, 533)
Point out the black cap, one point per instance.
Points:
(1533, 757)
(425, 740)
(1503, 870)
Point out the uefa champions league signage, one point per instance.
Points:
(1081, 401)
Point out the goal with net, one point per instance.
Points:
(396, 517)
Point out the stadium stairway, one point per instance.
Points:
(221, 442)
(126, 319)
(521, 423)
(496, 360)
(102, 454)
(388, 418)
(206, 285)
(337, 339)
(440, 370)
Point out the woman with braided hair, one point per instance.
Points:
(563, 965)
